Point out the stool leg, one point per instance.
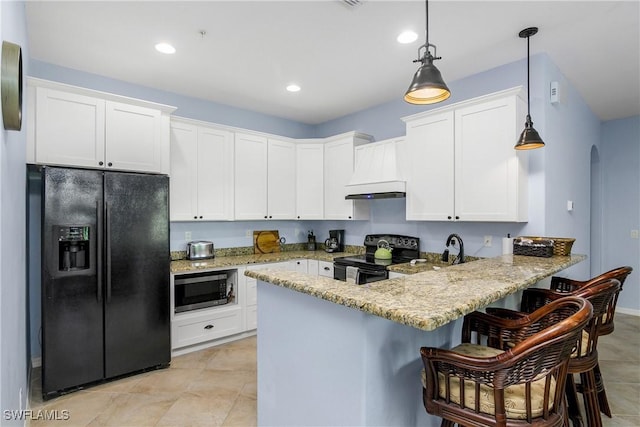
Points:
(447, 423)
(603, 403)
(590, 395)
(573, 410)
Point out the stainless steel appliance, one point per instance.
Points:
(105, 276)
(200, 290)
(200, 249)
(335, 242)
(367, 268)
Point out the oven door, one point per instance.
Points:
(364, 275)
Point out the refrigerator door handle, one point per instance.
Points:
(99, 227)
(108, 249)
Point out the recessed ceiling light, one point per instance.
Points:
(407, 37)
(293, 88)
(165, 48)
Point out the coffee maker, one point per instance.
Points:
(335, 242)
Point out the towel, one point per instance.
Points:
(352, 272)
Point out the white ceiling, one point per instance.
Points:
(345, 58)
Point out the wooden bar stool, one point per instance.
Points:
(562, 284)
(506, 372)
(584, 359)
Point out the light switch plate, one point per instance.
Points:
(187, 235)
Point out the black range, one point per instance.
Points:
(367, 268)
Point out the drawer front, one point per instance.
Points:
(325, 269)
(208, 326)
(252, 291)
(252, 317)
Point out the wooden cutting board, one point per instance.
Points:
(266, 241)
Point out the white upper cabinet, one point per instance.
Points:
(133, 139)
(430, 184)
(265, 172)
(462, 163)
(250, 176)
(201, 172)
(72, 126)
(281, 179)
(309, 181)
(338, 169)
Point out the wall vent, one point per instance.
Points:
(351, 3)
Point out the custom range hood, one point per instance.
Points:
(377, 173)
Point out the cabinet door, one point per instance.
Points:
(215, 174)
(325, 269)
(69, 129)
(250, 176)
(281, 179)
(486, 164)
(183, 174)
(133, 138)
(309, 181)
(430, 185)
(338, 168)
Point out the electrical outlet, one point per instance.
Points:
(247, 233)
(634, 234)
(187, 235)
(487, 241)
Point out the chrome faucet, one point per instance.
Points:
(445, 255)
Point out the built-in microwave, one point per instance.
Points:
(195, 291)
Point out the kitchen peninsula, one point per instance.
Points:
(332, 353)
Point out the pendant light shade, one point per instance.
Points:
(529, 138)
(427, 86)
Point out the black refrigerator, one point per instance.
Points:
(105, 276)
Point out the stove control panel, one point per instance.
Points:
(395, 241)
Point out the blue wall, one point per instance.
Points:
(13, 292)
(620, 157)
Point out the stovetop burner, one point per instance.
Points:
(404, 249)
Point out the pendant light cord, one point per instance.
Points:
(528, 84)
(426, 21)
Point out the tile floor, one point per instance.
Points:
(212, 387)
(217, 387)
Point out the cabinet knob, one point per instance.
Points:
(349, 216)
(100, 163)
(270, 217)
(195, 217)
(298, 216)
(265, 217)
(209, 327)
(457, 217)
(326, 268)
(200, 216)
(449, 217)
(109, 164)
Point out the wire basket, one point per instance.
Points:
(562, 245)
(533, 246)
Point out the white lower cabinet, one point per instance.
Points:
(325, 269)
(251, 306)
(205, 325)
(312, 267)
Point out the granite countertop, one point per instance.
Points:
(429, 299)
(185, 266)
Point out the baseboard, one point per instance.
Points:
(627, 311)
(214, 343)
(36, 362)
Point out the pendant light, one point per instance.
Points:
(529, 138)
(427, 86)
